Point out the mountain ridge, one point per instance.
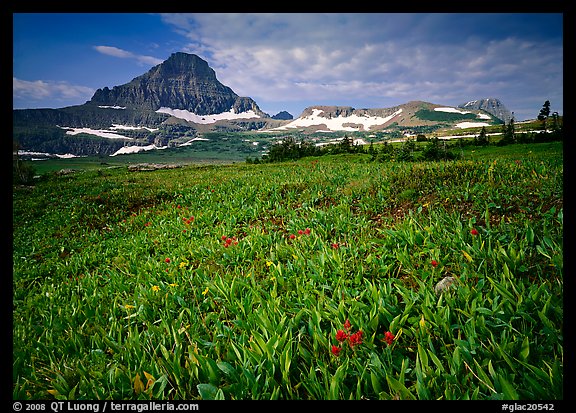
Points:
(413, 114)
(181, 98)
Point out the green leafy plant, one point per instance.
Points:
(312, 279)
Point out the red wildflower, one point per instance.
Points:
(335, 246)
(292, 236)
(341, 336)
(307, 231)
(167, 260)
(389, 337)
(347, 324)
(300, 232)
(223, 238)
(474, 231)
(336, 350)
(434, 263)
(356, 338)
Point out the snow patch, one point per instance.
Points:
(188, 143)
(463, 112)
(48, 155)
(126, 127)
(464, 125)
(207, 119)
(112, 107)
(358, 141)
(337, 123)
(135, 149)
(97, 132)
(451, 110)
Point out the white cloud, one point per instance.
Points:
(384, 58)
(124, 54)
(41, 89)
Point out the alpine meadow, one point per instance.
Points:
(340, 276)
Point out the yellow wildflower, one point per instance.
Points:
(205, 291)
(422, 321)
(155, 288)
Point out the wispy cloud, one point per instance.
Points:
(39, 90)
(124, 54)
(383, 58)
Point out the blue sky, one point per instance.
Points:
(295, 60)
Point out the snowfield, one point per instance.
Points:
(451, 110)
(106, 133)
(337, 123)
(207, 119)
(112, 107)
(46, 155)
(126, 127)
(188, 143)
(464, 125)
(359, 141)
(103, 133)
(135, 149)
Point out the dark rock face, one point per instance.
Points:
(283, 115)
(183, 81)
(492, 106)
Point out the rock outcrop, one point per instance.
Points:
(491, 105)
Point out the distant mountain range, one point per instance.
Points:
(181, 98)
(415, 116)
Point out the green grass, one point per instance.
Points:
(118, 293)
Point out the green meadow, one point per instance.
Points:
(312, 280)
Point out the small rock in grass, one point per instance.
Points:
(444, 284)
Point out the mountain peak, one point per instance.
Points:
(491, 105)
(184, 82)
(180, 63)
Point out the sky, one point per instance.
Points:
(290, 61)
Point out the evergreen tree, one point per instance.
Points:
(432, 150)
(346, 144)
(482, 139)
(508, 133)
(544, 113)
(372, 151)
(386, 152)
(406, 151)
